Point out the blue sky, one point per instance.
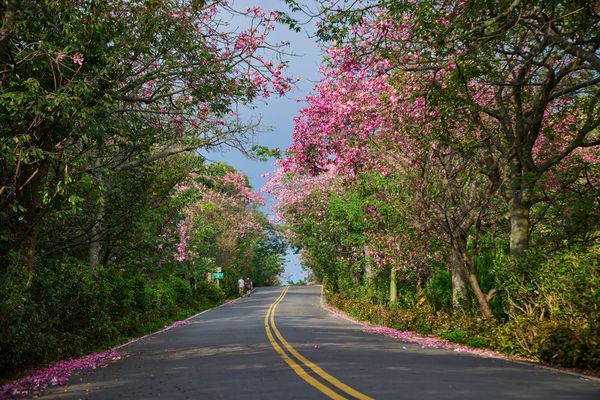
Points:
(278, 112)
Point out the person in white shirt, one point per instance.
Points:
(241, 286)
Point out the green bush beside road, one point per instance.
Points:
(549, 313)
(65, 311)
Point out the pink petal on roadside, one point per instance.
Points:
(425, 342)
(55, 374)
(177, 324)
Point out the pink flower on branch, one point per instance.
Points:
(77, 59)
(60, 56)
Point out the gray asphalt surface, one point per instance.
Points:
(225, 354)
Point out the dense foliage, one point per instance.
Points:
(447, 164)
(154, 269)
(110, 221)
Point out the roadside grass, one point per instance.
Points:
(438, 329)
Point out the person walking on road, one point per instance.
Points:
(248, 285)
(241, 285)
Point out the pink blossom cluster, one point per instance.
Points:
(185, 227)
(246, 61)
(299, 191)
(240, 186)
(228, 203)
(76, 57)
(55, 374)
(351, 127)
(234, 212)
(248, 41)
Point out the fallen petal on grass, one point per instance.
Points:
(430, 342)
(55, 374)
(425, 342)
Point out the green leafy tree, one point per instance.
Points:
(86, 87)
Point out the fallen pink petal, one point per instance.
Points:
(55, 374)
(177, 324)
(426, 342)
(429, 342)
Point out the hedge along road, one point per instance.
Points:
(280, 344)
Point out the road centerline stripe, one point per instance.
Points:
(295, 366)
(270, 318)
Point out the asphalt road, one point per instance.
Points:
(269, 346)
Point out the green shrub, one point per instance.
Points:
(181, 289)
(552, 306)
(208, 292)
(64, 310)
(439, 290)
(570, 338)
(454, 335)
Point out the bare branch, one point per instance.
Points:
(157, 156)
(569, 47)
(574, 88)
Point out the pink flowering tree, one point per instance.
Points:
(414, 198)
(366, 115)
(526, 72)
(218, 223)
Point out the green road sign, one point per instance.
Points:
(217, 275)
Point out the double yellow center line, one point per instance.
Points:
(295, 361)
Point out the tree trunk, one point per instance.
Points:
(393, 286)
(95, 240)
(107, 250)
(94, 249)
(521, 181)
(369, 274)
(459, 284)
(27, 244)
(466, 265)
(7, 32)
(519, 226)
(482, 299)
(27, 229)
